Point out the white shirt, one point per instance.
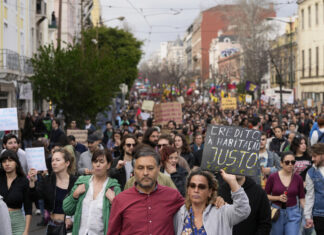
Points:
(92, 218)
(315, 137)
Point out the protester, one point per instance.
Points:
(91, 197)
(89, 126)
(259, 220)
(84, 164)
(80, 148)
(108, 133)
(114, 143)
(200, 216)
(56, 134)
(279, 143)
(170, 166)
(302, 157)
(15, 192)
(283, 189)
(314, 203)
(122, 167)
(27, 132)
(198, 143)
(151, 136)
(10, 142)
(54, 188)
(318, 135)
(127, 215)
(183, 149)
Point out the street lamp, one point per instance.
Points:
(290, 22)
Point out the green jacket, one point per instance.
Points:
(73, 206)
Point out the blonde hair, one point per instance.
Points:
(67, 158)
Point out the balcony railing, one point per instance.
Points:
(11, 61)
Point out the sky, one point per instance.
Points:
(156, 21)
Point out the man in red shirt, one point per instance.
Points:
(147, 208)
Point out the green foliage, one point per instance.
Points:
(82, 80)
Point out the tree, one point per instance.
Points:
(80, 79)
(253, 36)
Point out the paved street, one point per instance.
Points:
(36, 230)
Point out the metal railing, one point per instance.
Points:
(12, 61)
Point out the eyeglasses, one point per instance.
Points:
(129, 145)
(288, 162)
(200, 186)
(161, 145)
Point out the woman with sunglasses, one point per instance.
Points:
(283, 188)
(200, 216)
(122, 167)
(170, 166)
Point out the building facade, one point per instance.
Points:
(310, 59)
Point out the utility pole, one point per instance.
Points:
(291, 56)
(59, 30)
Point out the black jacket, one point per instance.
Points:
(45, 189)
(118, 174)
(278, 145)
(179, 179)
(259, 220)
(189, 158)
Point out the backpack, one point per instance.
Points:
(320, 137)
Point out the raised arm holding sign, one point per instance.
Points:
(233, 149)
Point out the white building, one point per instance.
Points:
(310, 56)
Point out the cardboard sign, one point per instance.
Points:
(229, 103)
(148, 105)
(36, 158)
(165, 112)
(145, 116)
(248, 99)
(310, 103)
(81, 136)
(181, 100)
(233, 149)
(8, 119)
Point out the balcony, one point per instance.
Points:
(40, 11)
(15, 64)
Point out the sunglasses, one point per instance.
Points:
(200, 186)
(161, 145)
(288, 162)
(129, 145)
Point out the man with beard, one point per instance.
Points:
(151, 137)
(314, 203)
(10, 142)
(159, 203)
(122, 167)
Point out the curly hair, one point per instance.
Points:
(296, 143)
(212, 184)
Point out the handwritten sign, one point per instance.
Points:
(165, 112)
(233, 149)
(229, 103)
(81, 136)
(8, 119)
(36, 158)
(148, 105)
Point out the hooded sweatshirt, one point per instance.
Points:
(259, 220)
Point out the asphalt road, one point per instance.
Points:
(34, 229)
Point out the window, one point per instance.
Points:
(309, 62)
(302, 16)
(316, 13)
(317, 61)
(303, 63)
(309, 17)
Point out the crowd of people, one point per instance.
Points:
(140, 177)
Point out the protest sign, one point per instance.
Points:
(8, 119)
(81, 136)
(233, 149)
(36, 158)
(148, 105)
(145, 116)
(229, 103)
(180, 100)
(248, 99)
(165, 112)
